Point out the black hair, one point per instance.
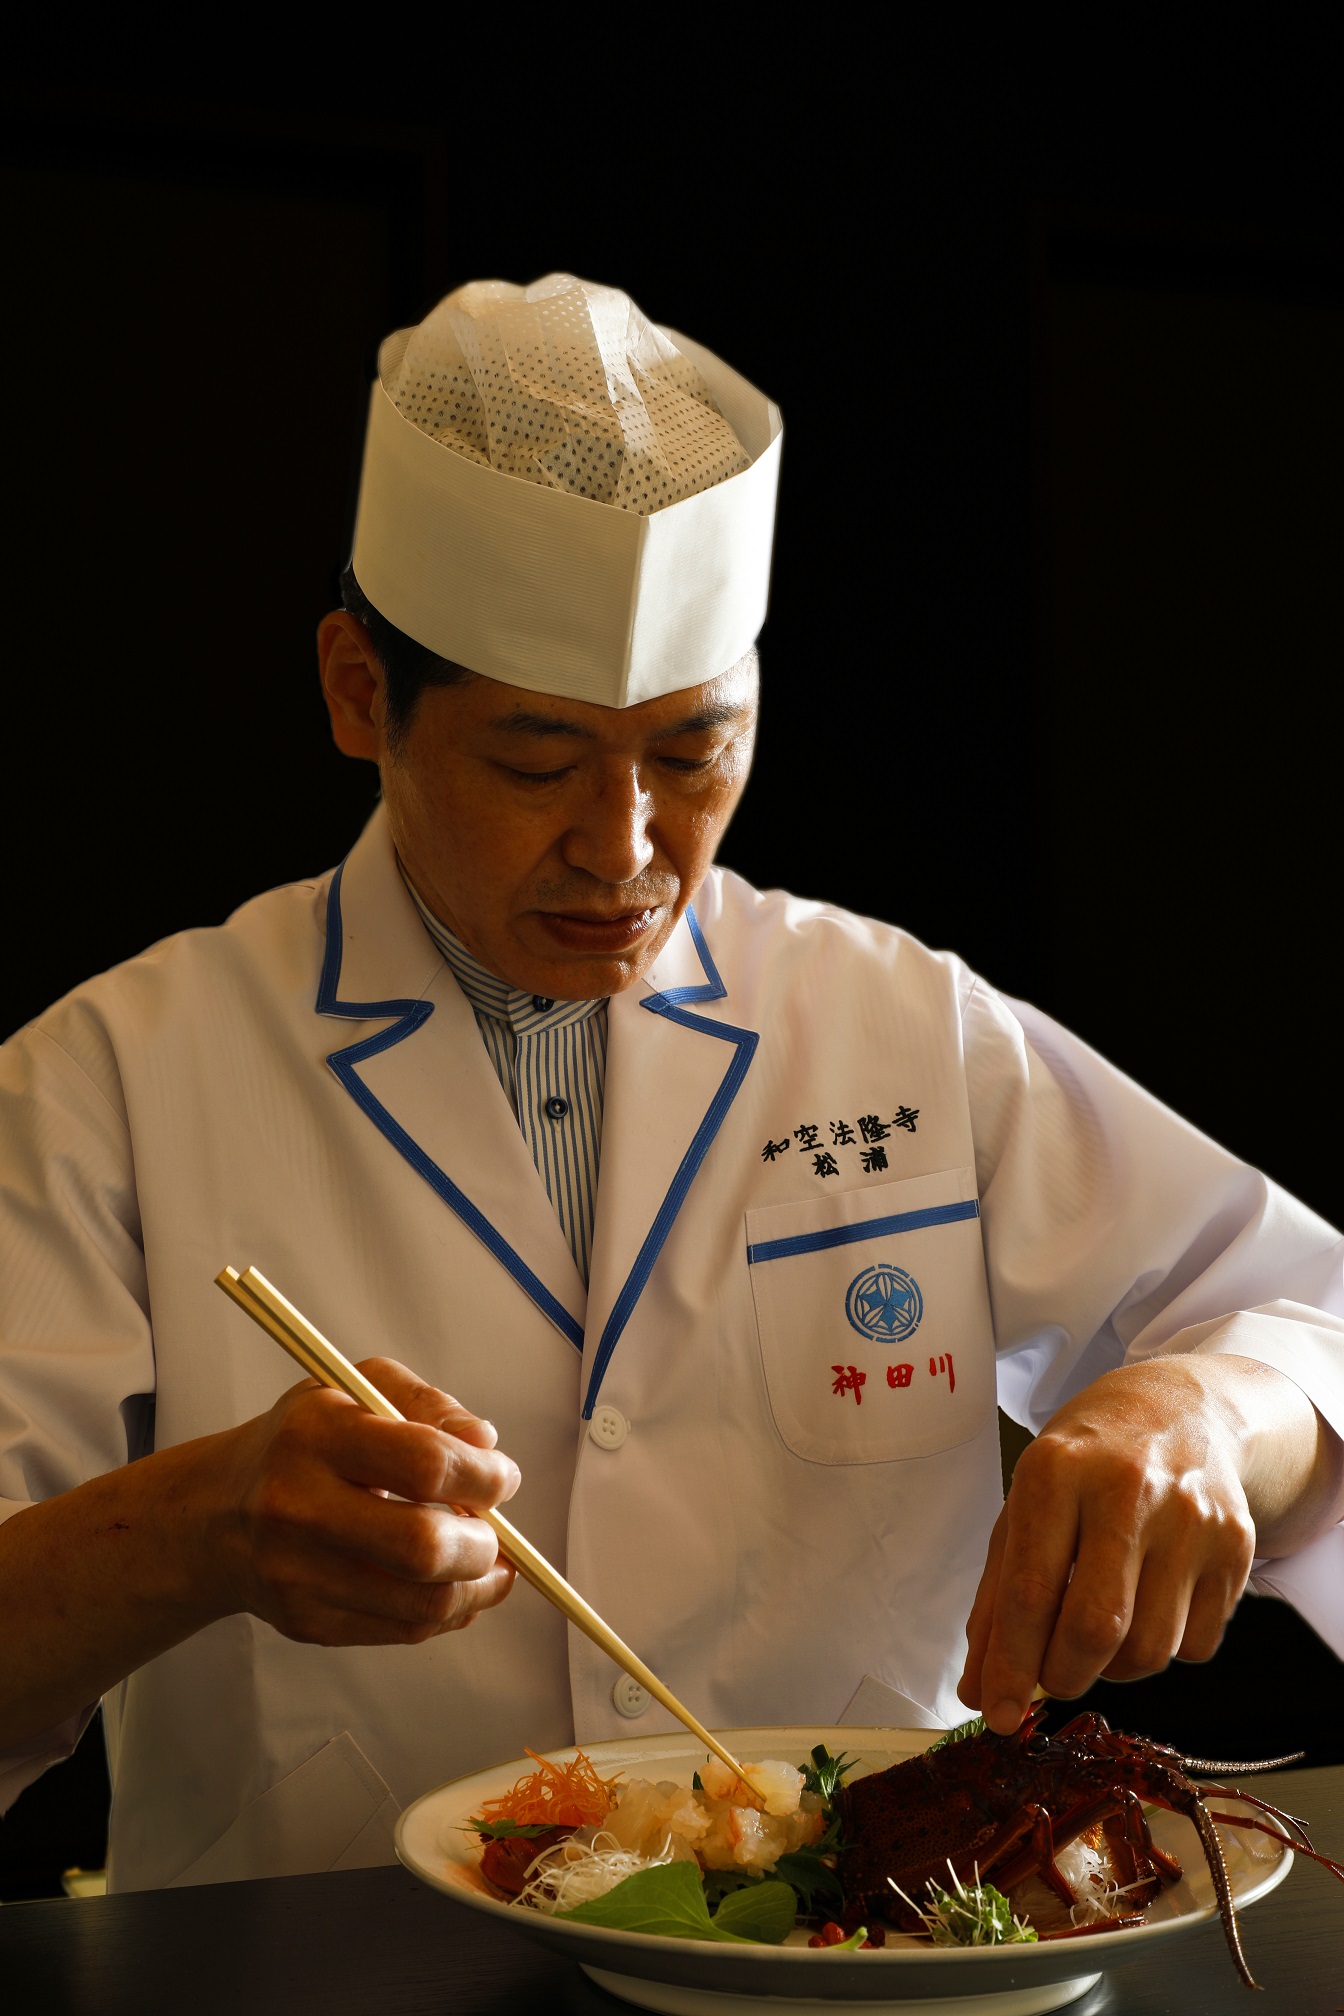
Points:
(408, 667)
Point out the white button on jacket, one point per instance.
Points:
(849, 1196)
(608, 1427)
(630, 1698)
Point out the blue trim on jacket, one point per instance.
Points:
(850, 1235)
(670, 1004)
(413, 1015)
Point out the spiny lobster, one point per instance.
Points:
(1005, 1805)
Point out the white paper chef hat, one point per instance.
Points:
(563, 496)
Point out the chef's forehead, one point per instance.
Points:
(563, 497)
(724, 702)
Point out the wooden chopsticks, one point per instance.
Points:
(322, 1361)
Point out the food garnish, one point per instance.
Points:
(668, 1900)
(968, 1915)
(554, 1795)
(754, 1851)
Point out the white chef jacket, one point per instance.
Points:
(848, 1195)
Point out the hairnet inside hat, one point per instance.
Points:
(565, 497)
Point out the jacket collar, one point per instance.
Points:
(668, 1093)
(425, 1082)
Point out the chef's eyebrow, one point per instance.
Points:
(719, 714)
(520, 722)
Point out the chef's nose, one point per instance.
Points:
(610, 837)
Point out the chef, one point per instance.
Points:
(734, 1214)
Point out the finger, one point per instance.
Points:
(1211, 1606)
(1156, 1625)
(415, 1461)
(309, 1507)
(361, 1607)
(1095, 1616)
(1176, 1616)
(1039, 1542)
(415, 1543)
(419, 1401)
(1197, 1557)
(413, 1610)
(981, 1619)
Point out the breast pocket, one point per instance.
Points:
(873, 1319)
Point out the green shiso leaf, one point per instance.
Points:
(813, 1879)
(508, 1830)
(975, 1727)
(669, 1903)
(761, 1911)
(720, 1883)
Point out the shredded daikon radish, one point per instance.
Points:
(574, 1871)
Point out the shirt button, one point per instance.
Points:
(608, 1428)
(541, 1004)
(557, 1107)
(630, 1698)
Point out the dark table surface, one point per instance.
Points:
(376, 1940)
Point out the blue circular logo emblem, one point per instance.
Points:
(884, 1302)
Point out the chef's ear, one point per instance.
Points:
(354, 685)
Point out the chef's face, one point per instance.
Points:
(559, 840)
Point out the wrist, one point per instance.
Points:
(1288, 1461)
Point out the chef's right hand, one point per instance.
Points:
(316, 1546)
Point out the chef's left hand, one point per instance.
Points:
(1131, 1523)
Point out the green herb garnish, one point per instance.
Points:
(508, 1830)
(824, 1773)
(975, 1727)
(969, 1915)
(804, 1870)
(669, 1902)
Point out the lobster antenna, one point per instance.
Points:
(1217, 1768)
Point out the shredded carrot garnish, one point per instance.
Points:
(555, 1795)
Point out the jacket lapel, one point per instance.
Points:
(673, 1071)
(425, 1082)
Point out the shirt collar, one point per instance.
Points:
(524, 1013)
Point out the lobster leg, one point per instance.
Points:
(1038, 1858)
(1086, 1814)
(1299, 1827)
(1298, 1847)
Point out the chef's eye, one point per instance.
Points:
(686, 765)
(536, 776)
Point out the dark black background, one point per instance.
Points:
(1052, 663)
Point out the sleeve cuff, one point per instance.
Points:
(1312, 1580)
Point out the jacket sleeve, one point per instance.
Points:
(1114, 1232)
(76, 1353)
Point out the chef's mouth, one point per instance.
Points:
(585, 931)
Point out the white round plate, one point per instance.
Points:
(688, 1977)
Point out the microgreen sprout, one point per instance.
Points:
(978, 1916)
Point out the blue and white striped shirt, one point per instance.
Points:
(551, 1059)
